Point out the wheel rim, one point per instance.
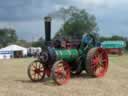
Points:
(61, 72)
(36, 71)
(100, 62)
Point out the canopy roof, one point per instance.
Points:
(113, 44)
(13, 48)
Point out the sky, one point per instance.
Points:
(26, 16)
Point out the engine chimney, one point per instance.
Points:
(47, 22)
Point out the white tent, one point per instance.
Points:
(12, 48)
(6, 54)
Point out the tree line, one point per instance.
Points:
(8, 36)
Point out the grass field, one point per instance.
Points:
(15, 82)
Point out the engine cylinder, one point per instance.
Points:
(68, 55)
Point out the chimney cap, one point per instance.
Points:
(48, 18)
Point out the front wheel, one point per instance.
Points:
(36, 71)
(61, 72)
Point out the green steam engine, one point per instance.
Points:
(61, 60)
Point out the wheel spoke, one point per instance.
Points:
(93, 65)
(39, 66)
(34, 76)
(99, 70)
(38, 76)
(33, 70)
(94, 61)
(34, 66)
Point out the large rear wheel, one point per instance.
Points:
(97, 62)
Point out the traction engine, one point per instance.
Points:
(61, 62)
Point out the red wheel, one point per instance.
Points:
(97, 62)
(36, 71)
(61, 72)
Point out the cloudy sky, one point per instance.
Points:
(26, 16)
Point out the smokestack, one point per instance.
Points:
(47, 22)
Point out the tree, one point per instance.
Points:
(76, 22)
(126, 45)
(7, 36)
(64, 13)
(39, 43)
(112, 38)
(23, 43)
